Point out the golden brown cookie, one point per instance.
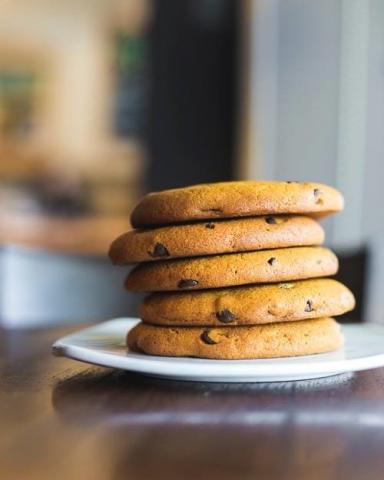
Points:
(235, 199)
(258, 304)
(257, 341)
(265, 266)
(221, 236)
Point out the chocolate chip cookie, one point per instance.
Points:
(265, 266)
(242, 342)
(219, 236)
(235, 199)
(258, 304)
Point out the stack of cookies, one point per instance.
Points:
(236, 271)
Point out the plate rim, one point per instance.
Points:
(184, 367)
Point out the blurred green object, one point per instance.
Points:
(131, 87)
(131, 52)
(17, 101)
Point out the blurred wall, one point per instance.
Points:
(318, 103)
(317, 107)
(69, 48)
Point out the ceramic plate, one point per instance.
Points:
(104, 344)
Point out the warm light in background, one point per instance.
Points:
(101, 101)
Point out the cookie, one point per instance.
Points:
(235, 199)
(221, 236)
(257, 341)
(281, 302)
(233, 269)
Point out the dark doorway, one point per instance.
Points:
(193, 69)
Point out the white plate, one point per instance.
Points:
(104, 344)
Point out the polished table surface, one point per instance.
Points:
(65, 420)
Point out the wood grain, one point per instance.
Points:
(61, 419)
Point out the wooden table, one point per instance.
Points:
(64, 420)
(89, 235)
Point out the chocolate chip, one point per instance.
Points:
(272, 260)
(309, 306)
(316, 193)
(213, 210)
(187, 283)
(225, 316)
(210, 225)
(271, 220)
(206, 338)
(159, 251)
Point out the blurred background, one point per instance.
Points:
(103, 100)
